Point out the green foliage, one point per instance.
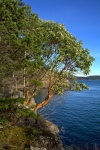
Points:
(26, 113)
(43, 49)
(36, 82)
(8, 104)
(12, 109)
(8, 109)
(3, 122)
(64, 56)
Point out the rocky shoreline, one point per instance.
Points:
(46, 136)
(21, 129)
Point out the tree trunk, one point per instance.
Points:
(47, 99)
(24, 78)
(43, 103)
(29, 100)
(24, 81)
(26, 97)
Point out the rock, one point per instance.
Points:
(51, 127)
(48, 126)
(60, 147)
(32, 103)
(43, 148)
(1, 127)
(34, 148)
(17, 94)
(37, 148)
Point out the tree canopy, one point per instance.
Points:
(33, 50)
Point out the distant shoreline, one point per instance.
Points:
(96, 77)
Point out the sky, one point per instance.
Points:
(80, 17)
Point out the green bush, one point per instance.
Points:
(26, 112)
(11, 110)
(9, 103)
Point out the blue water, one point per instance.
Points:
(77, 114)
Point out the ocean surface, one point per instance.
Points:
(77, 115)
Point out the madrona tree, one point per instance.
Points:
(63, 56)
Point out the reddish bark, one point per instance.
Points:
(30, 99)
(43, 103)
(47, 99)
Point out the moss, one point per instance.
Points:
(18, 137)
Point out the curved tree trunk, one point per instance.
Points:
(47, 99)
(43, 103)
